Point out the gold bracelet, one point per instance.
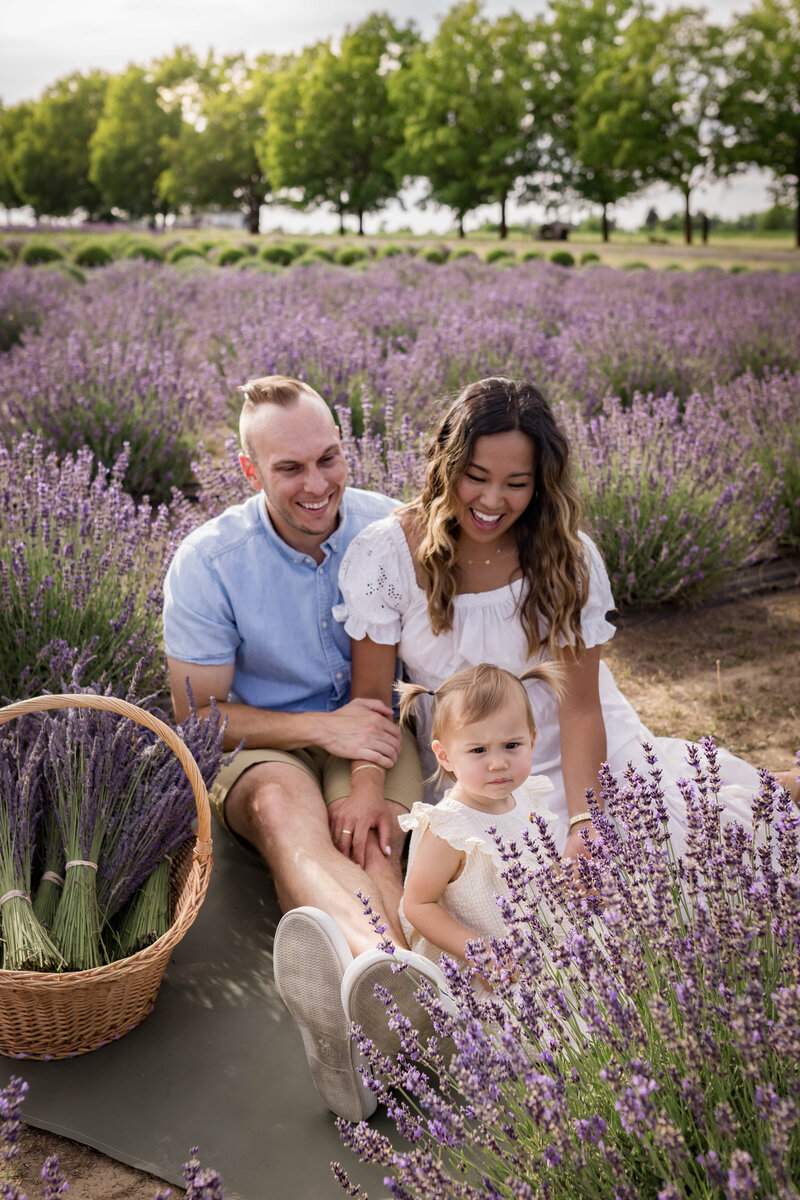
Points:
(365, 767)
(579, 818)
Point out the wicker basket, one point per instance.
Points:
(50, 1015)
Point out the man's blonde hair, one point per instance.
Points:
(280, 390)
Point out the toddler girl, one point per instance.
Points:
(482, 736)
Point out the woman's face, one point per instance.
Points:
(497, 485)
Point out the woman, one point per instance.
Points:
(488, 565)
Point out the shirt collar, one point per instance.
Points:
(329, 546)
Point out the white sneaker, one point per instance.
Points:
(310, 959)
(364, 1008)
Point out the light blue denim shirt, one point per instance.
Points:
(236, 592)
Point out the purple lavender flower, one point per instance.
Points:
(202, 1183)
(12, 1097)
(54, 1184)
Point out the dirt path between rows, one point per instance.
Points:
(729, 669)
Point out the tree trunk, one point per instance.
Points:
(361, 222)
(687, 221)
(503, 226)
(341, 222)
(705, 223)
(605, 222)
(253, 215)
(461, 233)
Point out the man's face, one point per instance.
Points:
(297, 460)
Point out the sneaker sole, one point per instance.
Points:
(310, 957)
(364, 1008)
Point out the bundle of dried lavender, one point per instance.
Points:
(145, 917)
(82, 789)
(155, 815)
(51, 880)
(26, 946)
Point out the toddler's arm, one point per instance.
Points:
(436, 863)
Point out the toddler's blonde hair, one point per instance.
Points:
(471, 694)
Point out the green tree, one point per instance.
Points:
(651, 107)
(760, 107)
(12, 122)
(572, 36)
(468, 101)
(126, 151)
(49, 162)
(212, 163)
(331, 130)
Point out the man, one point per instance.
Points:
(247, 620)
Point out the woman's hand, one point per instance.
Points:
(575, 845)
(352, 817)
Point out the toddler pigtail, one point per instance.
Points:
(551, 673)
(408, 694)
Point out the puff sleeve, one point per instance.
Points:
(375, 583)
(594, 626)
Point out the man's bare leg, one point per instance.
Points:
(279, 809)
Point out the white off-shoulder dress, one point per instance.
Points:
(471, 898)
(383, 601)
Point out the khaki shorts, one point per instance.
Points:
(403, 782)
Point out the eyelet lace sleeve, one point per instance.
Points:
(374, 580)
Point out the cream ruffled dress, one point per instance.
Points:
(471, 898)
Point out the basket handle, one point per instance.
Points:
(125, 709)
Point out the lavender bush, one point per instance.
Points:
(110, 372)
(674, 496)
(642, 1040)
(26, 298)
(767, 411)
(81, 567)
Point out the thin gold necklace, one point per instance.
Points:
(485, 562)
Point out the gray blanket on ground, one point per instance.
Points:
(218, 1064)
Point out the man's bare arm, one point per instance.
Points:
(362, 728)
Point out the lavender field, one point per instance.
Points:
(679, 391)
(665, 1012)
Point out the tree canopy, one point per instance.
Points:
(590, 102)
(468, 103)
(49, 162)
(330, 128)
(760, 105)
(127, 150)
(212, 160)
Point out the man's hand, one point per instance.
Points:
(362, 729)
(353, 817)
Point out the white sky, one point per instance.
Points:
(46, 39)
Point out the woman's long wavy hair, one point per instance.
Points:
(551, 555)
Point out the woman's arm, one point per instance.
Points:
(583, 734)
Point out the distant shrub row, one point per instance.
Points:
(274, 255)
